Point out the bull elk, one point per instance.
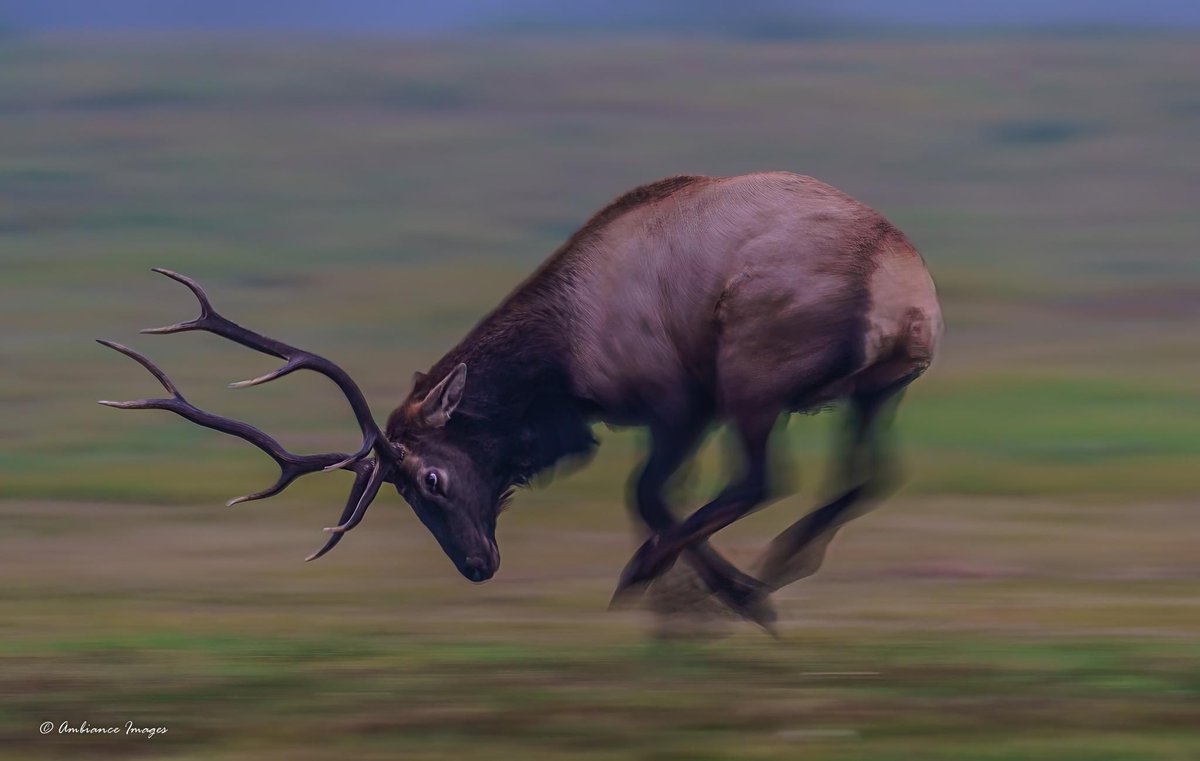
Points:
(683, 303)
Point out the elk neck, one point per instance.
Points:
(519, 412)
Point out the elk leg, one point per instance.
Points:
(865, 472)
(743, 593)
(660, 551)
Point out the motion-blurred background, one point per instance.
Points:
(366, 179)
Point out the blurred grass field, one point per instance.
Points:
(1030, 594)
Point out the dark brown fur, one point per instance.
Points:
(517, 390)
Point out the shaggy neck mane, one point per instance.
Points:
(518, 413)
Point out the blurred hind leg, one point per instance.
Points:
(864, 473)
(751, 396)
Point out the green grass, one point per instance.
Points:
(947, 629)
(424, 699)
(1030, 593)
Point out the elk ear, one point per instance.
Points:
(441, 401)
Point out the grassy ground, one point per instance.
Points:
(1030, 594)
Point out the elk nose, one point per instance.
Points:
(478, 569)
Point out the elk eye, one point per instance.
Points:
(432, 481)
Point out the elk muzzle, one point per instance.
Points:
(481, 565)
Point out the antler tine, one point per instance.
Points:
(295, 359)
(369, 477)
(377, 475)
(291, 466)
(154, 369)
(206, 309)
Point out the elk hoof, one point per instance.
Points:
(654, 558)
(750, 602)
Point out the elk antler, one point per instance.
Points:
(370, 473)
(296, 359)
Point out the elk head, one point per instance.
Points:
(453, 490)
(453, 496)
